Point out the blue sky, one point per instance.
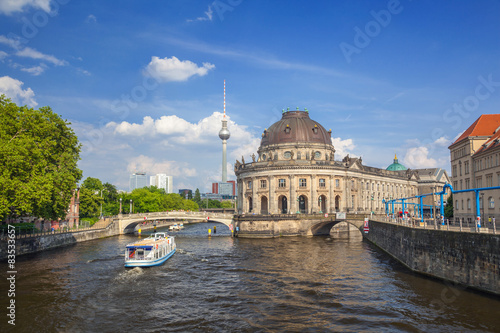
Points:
(142, 81)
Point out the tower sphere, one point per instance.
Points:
(224, 133)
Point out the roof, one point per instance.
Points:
(485, 125)
(295, 126)
(491, 143)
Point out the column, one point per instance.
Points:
(292, 201)
(272, 196)
(331, 200)
(254, 197)
(313, 200)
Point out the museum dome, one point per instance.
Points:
(396, 166)
(295, 127)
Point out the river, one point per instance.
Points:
(224, 284)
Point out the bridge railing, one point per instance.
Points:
(458, 224)
(172, 213)
(28, 233)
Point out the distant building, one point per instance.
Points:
(475, 164)
(186, 193)
(138, 180)
(152, 180)
(165, 182)
(73, 215)
(227, 189)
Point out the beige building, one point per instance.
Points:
(295, 171)
(475, 164)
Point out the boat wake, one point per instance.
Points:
(104, 259)
(130, 274)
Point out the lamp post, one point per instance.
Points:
(320, 207)
(298, 205)
(101, 205)
(130, 210)
(120, 207)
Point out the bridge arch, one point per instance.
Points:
(325, 228)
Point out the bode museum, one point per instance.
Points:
(296, 172)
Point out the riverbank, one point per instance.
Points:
(44, 242)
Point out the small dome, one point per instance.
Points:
(396, 166)
(295, 126)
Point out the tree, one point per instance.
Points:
(38, 162)
(197, 197)
(92, 184)
(90, 203)
(448, 209)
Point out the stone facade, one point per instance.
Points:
(295, 172)
(475, 163)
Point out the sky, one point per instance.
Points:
(141, 82)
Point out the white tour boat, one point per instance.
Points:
(152, 251)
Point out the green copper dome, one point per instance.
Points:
(396, 166)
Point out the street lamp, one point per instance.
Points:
(320, 207)
(120, 206)
(298, 205)
(130, 211)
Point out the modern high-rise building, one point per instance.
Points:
(165, 182)
(138, 180)
(152, 180)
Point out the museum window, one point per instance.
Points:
(352, 184)
(263, 183)
(373, 186)
(491, 203)
(322, 183)
(467, 184)
(337, 183)
(468, 204)
(299, 155)
(282, 183)
(462, 204)
(466, 167)
(456, 203)
(249, 184)
(479, 182)
(302, 182)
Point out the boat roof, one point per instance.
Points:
(155, 238)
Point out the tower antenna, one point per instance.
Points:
(224, 98)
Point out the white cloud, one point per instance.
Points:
(10, 6)
(36, 70)
(173, 69)
(418, 157)
(34, 54)
(10, 42)
(3, 55)
(12, 88)
(180, 131)
(342, 147)
(153, 166)
(208, 16)
(91, 19)
(442, 141)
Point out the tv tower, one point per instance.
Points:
(224, 135)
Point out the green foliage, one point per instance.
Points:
(90, 202)
(448, 209)
(92, 184)
(38, 162)
(227, 204)
(197, 197)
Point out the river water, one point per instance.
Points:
(224, 284)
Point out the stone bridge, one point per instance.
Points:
(128, 222)
(265, 226)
